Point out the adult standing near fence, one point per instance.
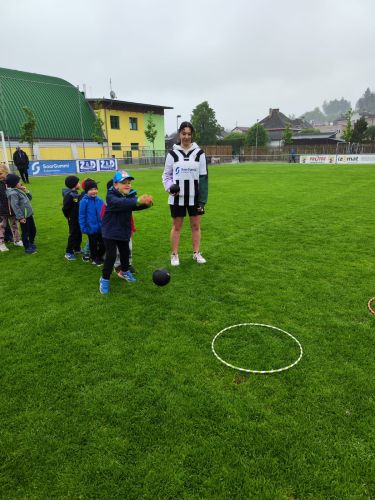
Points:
(21, 161)
(186, 167)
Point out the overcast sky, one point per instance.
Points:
(242, 56)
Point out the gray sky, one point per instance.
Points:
(242, 56)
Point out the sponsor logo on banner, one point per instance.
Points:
(52, 167)
(107, 164)
(87, 166)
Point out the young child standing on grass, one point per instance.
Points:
(86, 247)
(132, 194)
(7, 217)
(116, 226)
(19, 199)
(90, 223)
(71, 210)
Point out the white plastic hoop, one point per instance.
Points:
(262, 372)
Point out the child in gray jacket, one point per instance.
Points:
(19, 198)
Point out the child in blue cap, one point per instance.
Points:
(116, 226)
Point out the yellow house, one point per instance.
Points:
(124, 125)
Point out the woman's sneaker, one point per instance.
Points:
(103, 286)
(126, 276)
(175, 261)
(3, 248)
(18, 244)
(198, 257)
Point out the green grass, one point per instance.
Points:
(121, 397)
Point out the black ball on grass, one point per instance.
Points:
(174, 189)
(161, 277)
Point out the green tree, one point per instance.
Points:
(98, 134)
(287, 136)
(150, 131)
(370, 133)
(257, 135)
(366, 104)
(236, 140)
(207, 129)
(314, 116)
(28, 128)
(359, 130)
(348, 131)
(336, 108)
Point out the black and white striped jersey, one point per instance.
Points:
(184, 168)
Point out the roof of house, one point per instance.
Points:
(329, 137)
(61, 110)
(277, 120)
(127, 105)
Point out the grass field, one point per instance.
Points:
(120, 396)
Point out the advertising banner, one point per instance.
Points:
(337, 159)
(102, 165)
(67, 167)
(52, 167)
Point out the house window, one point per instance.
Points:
(115, 122)
(134, 146)
(116, 146)
(133, 123)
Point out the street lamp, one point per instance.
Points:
(178, 116)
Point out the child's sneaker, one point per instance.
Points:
(103, 286)
(30, 250)
(132, 270)
(79, 252)
(198, 257)
(98, 262)
(3, 248)
(18, 244)
(175, 261)
(70, 256)
(86, 257)
(126, 276)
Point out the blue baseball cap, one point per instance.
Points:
(121, 175)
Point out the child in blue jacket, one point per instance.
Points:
(116, 226)
(90, 223)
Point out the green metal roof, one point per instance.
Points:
(61, 110)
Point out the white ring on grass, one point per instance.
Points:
(263, 372)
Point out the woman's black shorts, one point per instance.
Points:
(180, 211)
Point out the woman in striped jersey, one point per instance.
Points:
(185, 166)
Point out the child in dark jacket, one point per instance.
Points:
(90, 223)
(8, 222)
(70, 209)
(19, 199)
(116, 226)
(132, 193)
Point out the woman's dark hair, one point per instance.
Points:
(181, 127)
(184, 125)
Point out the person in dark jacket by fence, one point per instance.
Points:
(116, 226)
(21, 161)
